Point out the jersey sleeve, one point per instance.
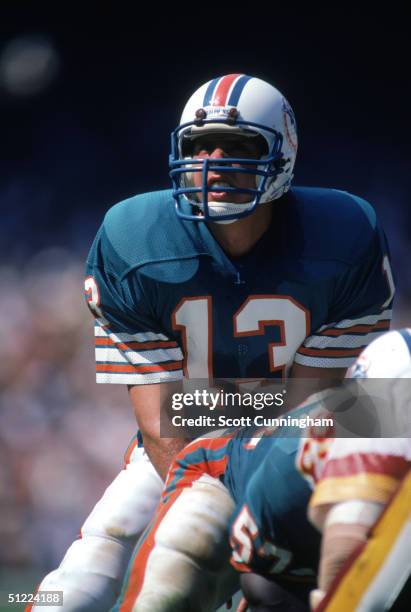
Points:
(360, 310)
(131, 346)
(369, 469)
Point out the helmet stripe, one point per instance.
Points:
(238, 90)
(209, 92)
(406, 337)
(222, 90)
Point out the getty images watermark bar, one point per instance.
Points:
(374, 408)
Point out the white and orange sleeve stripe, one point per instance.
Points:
(337, 345)
(135, 359)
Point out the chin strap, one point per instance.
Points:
(220, 209)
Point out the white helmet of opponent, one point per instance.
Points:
(243, 105)
(389, 356)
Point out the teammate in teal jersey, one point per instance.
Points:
(231, 273)
(181, 562)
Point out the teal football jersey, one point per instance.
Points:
(169, 302)
(270, 530)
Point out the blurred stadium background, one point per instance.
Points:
(87, 102)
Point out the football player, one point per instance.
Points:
(365, 562)
(231, 273)
(181, 562)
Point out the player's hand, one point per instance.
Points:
(243, 605)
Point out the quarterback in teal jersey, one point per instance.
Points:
(231, 273)
(305, 294)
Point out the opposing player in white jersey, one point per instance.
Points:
(362, 501)
(232, 273)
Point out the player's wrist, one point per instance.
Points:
(316, 597)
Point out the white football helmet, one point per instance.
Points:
(389, 356)
(242, 105)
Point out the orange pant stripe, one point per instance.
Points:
(138, 563)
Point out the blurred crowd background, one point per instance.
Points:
(87, 103)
